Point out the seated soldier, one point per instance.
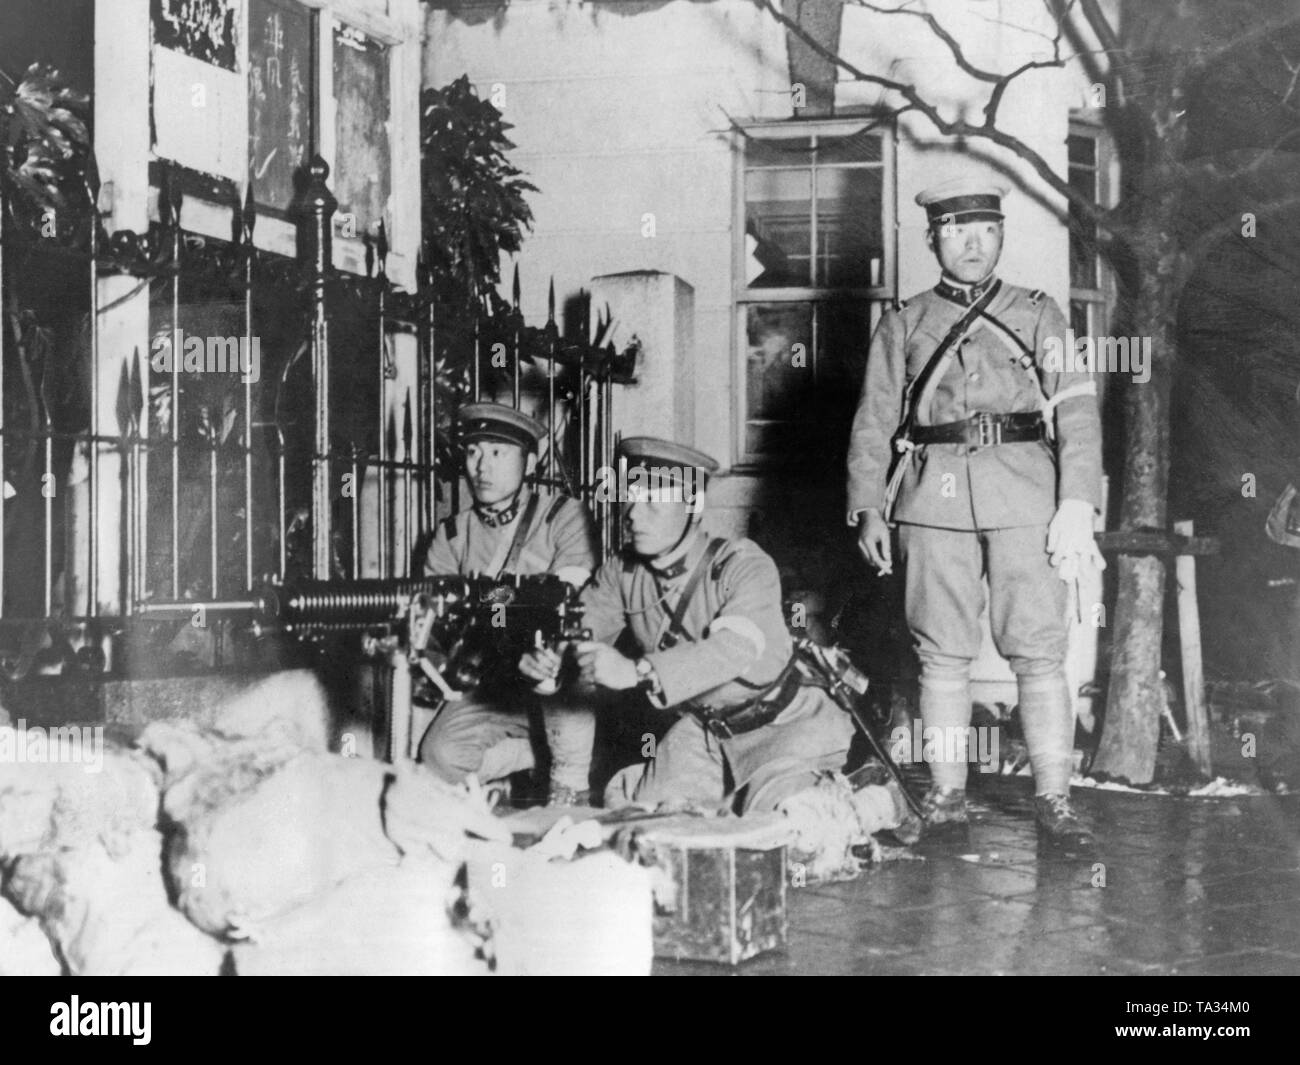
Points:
(509, 529)
(706, 617)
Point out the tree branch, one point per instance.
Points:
(958, 128)
(937, 29)
(995, 97)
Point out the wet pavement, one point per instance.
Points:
(1175, 886)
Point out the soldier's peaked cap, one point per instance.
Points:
(652, 452)
(963, 200)
(495, 421)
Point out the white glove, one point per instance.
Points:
(1070, 540)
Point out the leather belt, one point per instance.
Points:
(736, 721)
(983, 429)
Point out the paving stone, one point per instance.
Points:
(1175, 885)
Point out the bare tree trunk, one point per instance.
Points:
(1132, 728)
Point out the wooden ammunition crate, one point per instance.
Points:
(719, 886)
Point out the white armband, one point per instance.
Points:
(741, 627)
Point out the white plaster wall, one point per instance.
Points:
(618, 116)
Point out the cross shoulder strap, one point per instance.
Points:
(702, 567)
(521, 536)
(553, 511)
(959, 327)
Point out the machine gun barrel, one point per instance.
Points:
(355, 604)
(509, 608)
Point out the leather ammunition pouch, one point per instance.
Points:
(762, 710)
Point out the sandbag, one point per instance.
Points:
(381, 922)
(827, 824)
(593, 916)
(56, 804)
(84, 857)
(247, 842)
(291, 705)
(425, 815)
(24, 948)
(109, 914)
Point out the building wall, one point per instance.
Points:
(619, 116)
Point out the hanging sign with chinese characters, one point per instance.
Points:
(279, 98)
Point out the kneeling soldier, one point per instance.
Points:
(509, 529)
(706, 618)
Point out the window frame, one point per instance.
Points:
(872, 297)
(1100, 300)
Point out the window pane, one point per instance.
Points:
(778, 151)
(778, 375)
(1079, 319)
(778, 227)
(1082, 150)
(849, 244)
(802, 392)
(1083, 233)
(856, 148)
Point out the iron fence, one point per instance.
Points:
(332, 458)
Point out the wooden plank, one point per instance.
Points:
(1189, 638)
(1155, 542)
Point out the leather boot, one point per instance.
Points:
(944, 806)
(1059, 823)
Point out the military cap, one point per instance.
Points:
(494, 421)
(665, 456)
(962, 200)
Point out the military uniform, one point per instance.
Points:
(488, 731)
(730, 647)
(560, 541)
(976, 507)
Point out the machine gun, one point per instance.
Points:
(453, 629)
(500, 621)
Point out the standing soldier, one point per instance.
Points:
(998, 475)
(706, 621)
(509, 529)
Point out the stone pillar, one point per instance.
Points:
(659, 310)
(122, 140)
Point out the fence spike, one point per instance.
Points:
(123, 405)
(137, 390)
